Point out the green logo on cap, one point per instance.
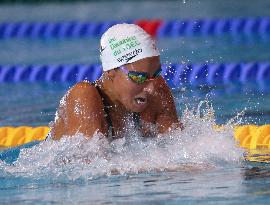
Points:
(119, 46)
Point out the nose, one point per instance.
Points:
(149, 87)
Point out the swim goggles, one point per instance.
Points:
(140, 77)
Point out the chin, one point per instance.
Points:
(137, 110)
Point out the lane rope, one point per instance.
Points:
(247, 136)
(156, 27)
(175, 74)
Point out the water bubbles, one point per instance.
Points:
(199, 146)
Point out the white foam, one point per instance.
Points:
(199, 145)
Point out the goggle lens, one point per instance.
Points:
(140, 77)
(137, 77)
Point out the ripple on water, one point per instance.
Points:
(199, 146)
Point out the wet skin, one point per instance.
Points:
(82, 111)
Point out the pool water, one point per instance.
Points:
(199, 165)
(229, 185)
(173, 50)
(180, 166)
(36, 104)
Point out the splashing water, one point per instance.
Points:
(199, 146)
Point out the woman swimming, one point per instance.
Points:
(130, 88)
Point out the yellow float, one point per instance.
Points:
(249, 136)
(14, 136)
(255, 139)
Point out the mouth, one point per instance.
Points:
(141, 100)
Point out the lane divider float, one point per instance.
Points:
(155, 27)
(250, 137)
(15, 136)
(175, 74)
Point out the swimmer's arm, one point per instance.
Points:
(166, 116)
(80, 111)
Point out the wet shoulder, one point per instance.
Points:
(162, 86)
(161, 97)
(85, 91)
(156, 100)
(80, 110)
(162, 91)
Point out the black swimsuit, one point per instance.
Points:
(136, 116)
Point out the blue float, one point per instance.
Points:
(167, 28)
(175, 74)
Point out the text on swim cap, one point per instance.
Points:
(126, 44)
(127, 57)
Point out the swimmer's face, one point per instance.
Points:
(134, 96)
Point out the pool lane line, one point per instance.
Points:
(244, 26)
(175, 74)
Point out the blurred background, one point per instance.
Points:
(35, 103)
(218, 49)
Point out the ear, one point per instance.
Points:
(111, 73)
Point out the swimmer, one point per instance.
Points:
(130, 88)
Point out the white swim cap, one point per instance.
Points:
(125, 43)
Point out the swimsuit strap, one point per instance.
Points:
(106, 110)
(136, 116)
